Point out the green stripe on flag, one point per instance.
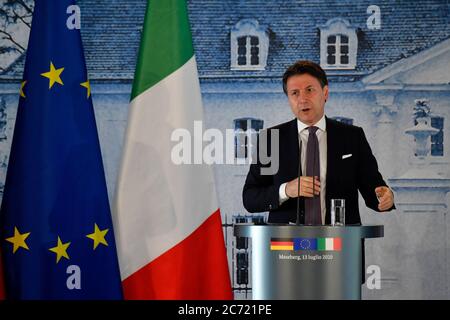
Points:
(166, 43)
(321, 244)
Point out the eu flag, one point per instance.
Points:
(305, 244)
(56, 231)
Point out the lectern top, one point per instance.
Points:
(250, 230)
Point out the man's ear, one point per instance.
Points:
(325, 92)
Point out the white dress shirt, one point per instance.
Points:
(322, 138)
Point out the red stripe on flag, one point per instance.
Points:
(337, 244)
(196, 268)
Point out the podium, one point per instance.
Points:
(306, 262)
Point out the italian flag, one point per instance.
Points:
(166, 217)
(329, 244)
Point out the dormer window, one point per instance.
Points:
(249, 46)
(248, 51)
(337, 50)
(338, 45)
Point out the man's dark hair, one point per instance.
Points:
(302, 67)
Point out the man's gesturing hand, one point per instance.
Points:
(306, 187)
(385, 198)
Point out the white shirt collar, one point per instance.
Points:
(321, 124)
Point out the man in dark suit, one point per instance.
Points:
(342, 157)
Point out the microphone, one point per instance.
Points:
(300, 215)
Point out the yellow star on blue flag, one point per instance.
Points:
(60, 250)
(18, 240)
(98, 236)
(87, 85)
(54, 75)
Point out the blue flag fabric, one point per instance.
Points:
(305, 244)
(55, 222)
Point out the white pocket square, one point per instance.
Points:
(345, 156)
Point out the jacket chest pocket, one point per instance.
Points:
(347, 168)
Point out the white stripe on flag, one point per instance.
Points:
(329, 244)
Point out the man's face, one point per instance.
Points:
(306, 98)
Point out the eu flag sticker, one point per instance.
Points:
(305, 244)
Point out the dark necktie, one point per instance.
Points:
(312, 205)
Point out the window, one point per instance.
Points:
(245, 130)
(344, 120)
(242, 268)
(437, 140)
(249, 46)
(337, 50)
(338, 45)
(248, 51)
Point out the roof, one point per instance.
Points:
(111, 32)
(407, 27)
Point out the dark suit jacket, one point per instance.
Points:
(344, 176)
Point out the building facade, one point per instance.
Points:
(389, 71)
